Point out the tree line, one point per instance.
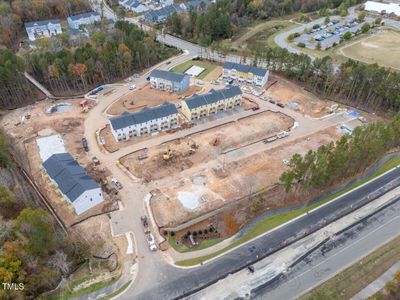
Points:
(14, 13)
(336, 161)
(222, 19)
(15, 90)
(33, 252)
(354, 83)
(107, 57)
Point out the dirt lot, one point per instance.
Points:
(208, 145)
(382, 48)
(218, 182)
(296, 97)
(70, 126)
(147, 97)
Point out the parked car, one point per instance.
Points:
(280, 104)
(272, 101)
(85, 145)
(132, 87)
(117, 184)
(255, 108)
(95, 160)
(151, 242)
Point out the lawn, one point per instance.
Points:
(353, 279)
(260, 33)
(279, 219)
(204, 244)
(203, 64)
(382, 48)
(117, 292)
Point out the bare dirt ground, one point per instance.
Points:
(214, 74)
(297, 98)
(70, 126)
(147, 97)
(208, 145)
(220, 181)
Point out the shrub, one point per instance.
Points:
(205, 231)
(301, 45)
(194, 233)
(172, 233)
(200, 231)
(365, 28)
(211, 229)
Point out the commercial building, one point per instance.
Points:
(83, 19)
(146, 121)
(382, 8)
(39, 29)
(169, 81)
(199, 106)
(245, 73)
(74, 184)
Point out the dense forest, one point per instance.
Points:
(222, 19)
(106, 57)
(354, 83)
(33, 250)
(14, 13)
(335, 162)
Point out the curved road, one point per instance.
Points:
(156, 279)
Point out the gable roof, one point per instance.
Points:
(213, 96)
(245, 68)
(168, 75)
(163, 12)
(70, 177)
(146, 114)
(42, 23)
(84, 16)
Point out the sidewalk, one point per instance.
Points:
(378, 284)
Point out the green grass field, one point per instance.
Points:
(203, 64)
(204, 244)
(382, 48)
(277, 220)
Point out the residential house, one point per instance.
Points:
(169, 81)
(160, 15)
(83, 19)
(74, 184)
(146, 121)
(245, 73)
(214, 101)
(133, 5)
(47, 28)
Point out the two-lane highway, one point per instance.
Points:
(187, 281)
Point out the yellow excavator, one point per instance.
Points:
(168, 154)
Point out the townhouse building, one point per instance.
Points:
(146, 121)
(169, 81)
(199, 106)
(76, 21)
(245, 73)
(72, 182)
(133, 5)
(39, 29)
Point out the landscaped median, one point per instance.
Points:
(272, 222)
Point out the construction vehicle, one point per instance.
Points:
(168, 154)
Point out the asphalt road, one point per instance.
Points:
(345, 250)
(182, 282)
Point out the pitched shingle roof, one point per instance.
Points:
(143, 116)
(213, 96)
(84, 16)
(70, 177)
(245, 69)
(42, 23)
(168, 75)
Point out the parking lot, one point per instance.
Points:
(328, 34)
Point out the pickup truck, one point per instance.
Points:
(151, 242)
(145, 224)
